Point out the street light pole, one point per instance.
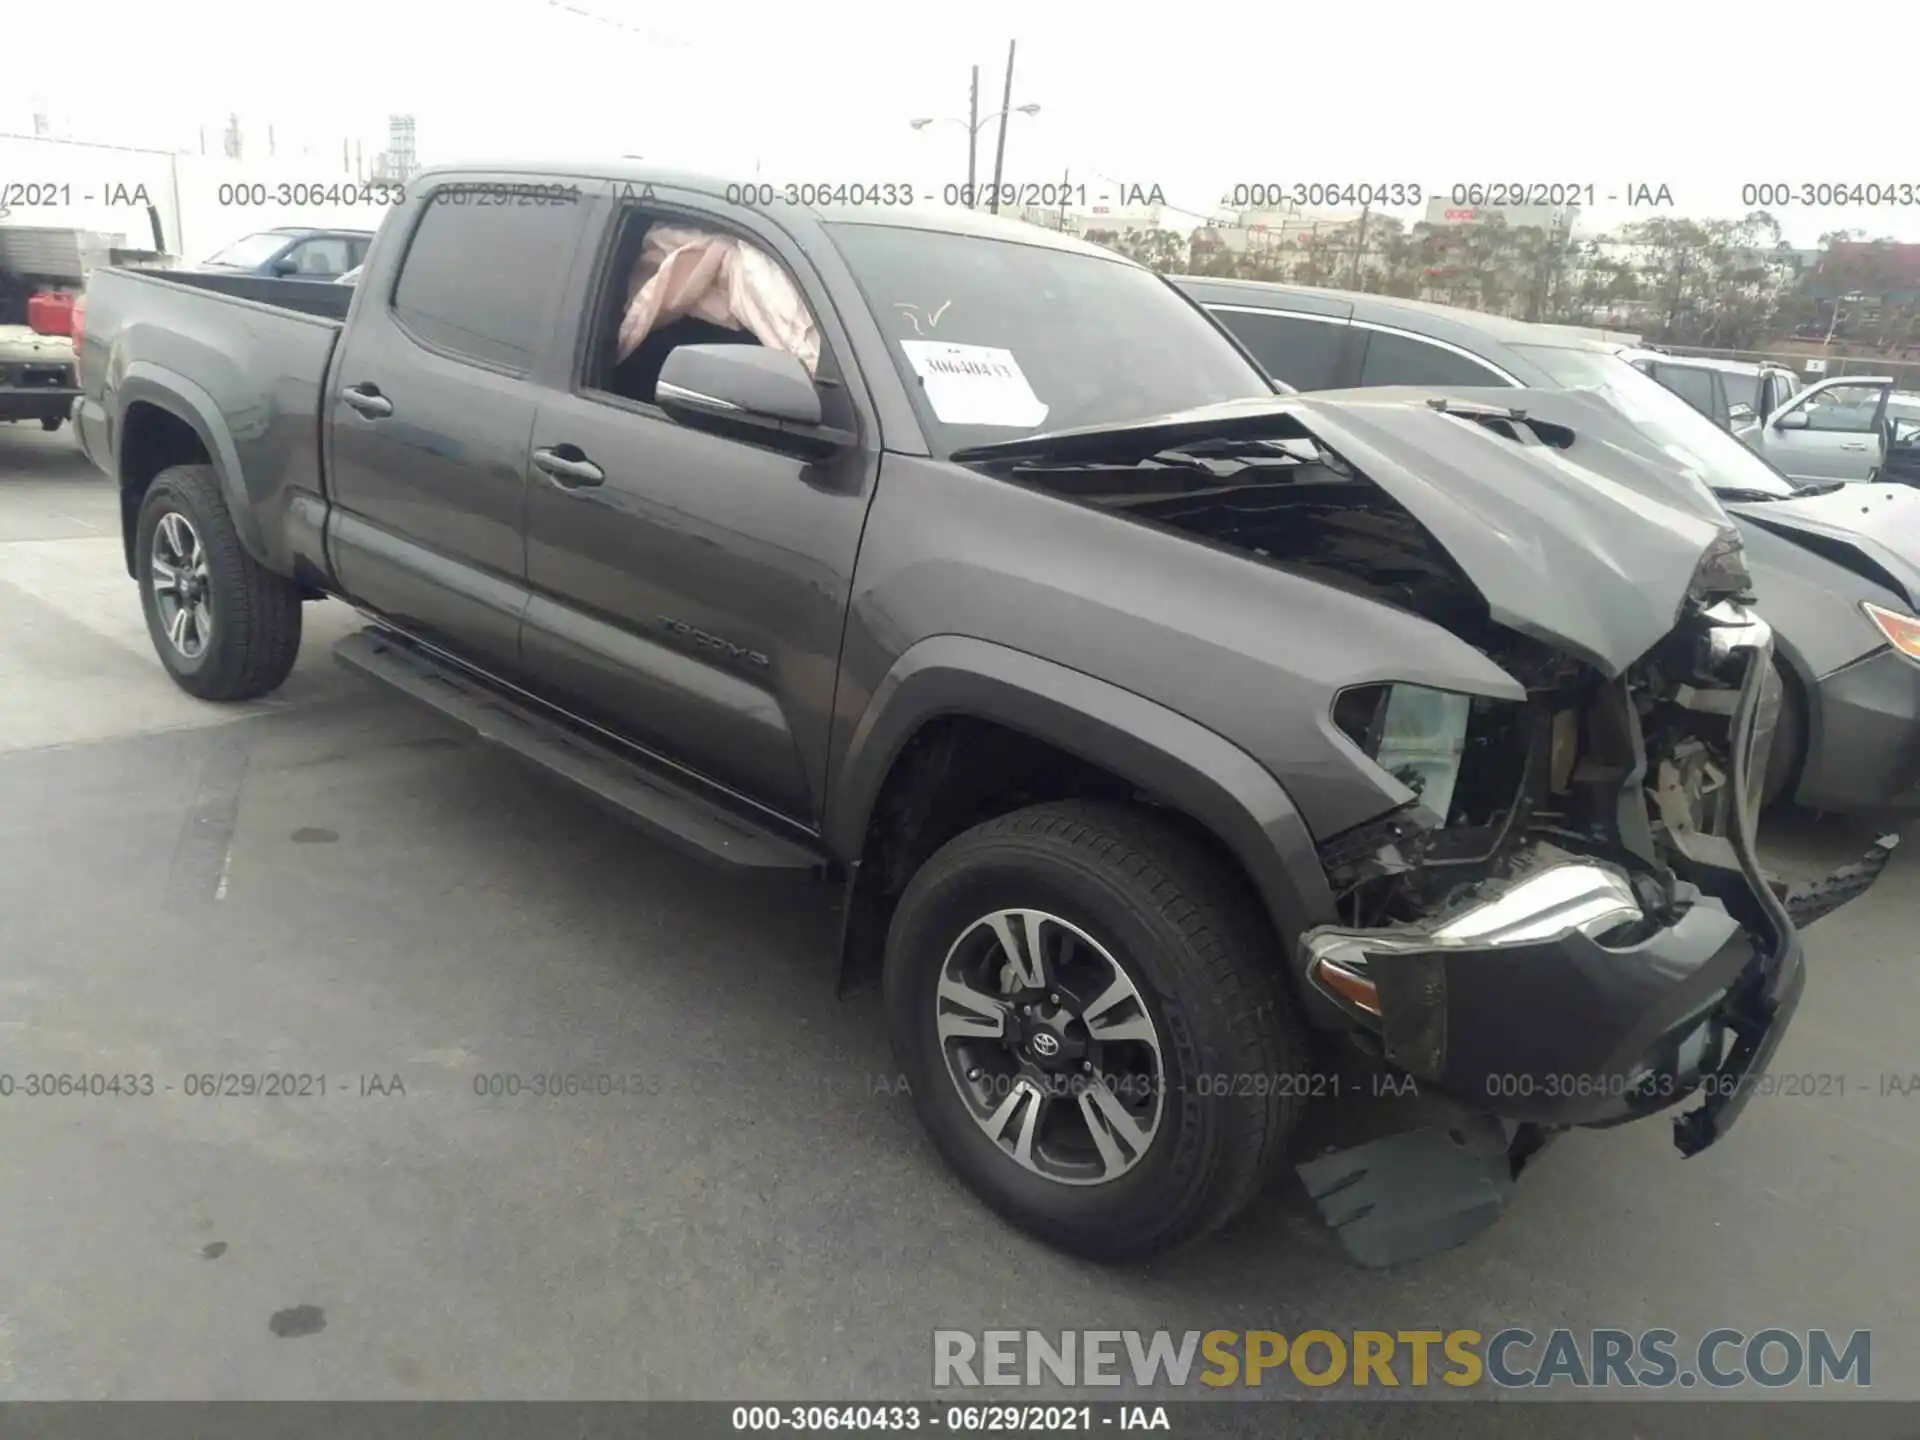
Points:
(974, 123)
(1000, 149)
(973, 136)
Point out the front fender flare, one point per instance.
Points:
(1163, 753)
(145, 383)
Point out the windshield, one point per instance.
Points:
(997, 340)
(252, 252)
(1700, 447)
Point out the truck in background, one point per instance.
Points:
(43, 272)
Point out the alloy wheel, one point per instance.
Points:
(1051, 1046)
(182, 589)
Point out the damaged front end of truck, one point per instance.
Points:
(1564, 921)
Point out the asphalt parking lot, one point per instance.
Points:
(330, 884)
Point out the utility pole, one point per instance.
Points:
(1359, 248)
(1000, 149)
(1065, 177)
(973, 137)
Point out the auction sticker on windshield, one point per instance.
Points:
(974, 384)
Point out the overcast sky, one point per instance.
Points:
(1618, 95)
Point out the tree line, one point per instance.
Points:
(1722, 284)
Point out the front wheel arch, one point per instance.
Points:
(1208, 783)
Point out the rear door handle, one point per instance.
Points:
(368, 400)
(567, 472)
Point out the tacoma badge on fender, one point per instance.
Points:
(709, 641)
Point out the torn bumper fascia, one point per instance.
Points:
(1550, 1004)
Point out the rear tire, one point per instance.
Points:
(237, 633)
(1124, 902)
(50, 423)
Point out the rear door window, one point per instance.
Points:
(1402, 360)
(1693, 386)
(1300, 351)
(482, 281)
(1742, 389)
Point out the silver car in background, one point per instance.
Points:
(1840, 428)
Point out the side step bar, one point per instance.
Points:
(669, 809)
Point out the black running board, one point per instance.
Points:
(667, 808)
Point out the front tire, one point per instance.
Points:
(1090, 1013)
(225, 627)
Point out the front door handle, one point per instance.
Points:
(368, 400)
(1855, 445)
(568, 472)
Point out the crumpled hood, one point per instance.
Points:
(1591, 548)
(1874, 530)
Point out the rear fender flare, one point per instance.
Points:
(1159, 751)
(146, 383)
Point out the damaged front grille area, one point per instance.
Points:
(1533, 781)
(1564, 919)
(1635, 772)
(1602, 944)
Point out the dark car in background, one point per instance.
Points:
(293, 252)
(1836, 567)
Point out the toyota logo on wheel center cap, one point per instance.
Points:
(1046, 1044)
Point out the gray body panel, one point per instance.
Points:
(776, 630)
(1591, 548)
(245, 376)
(1246, 650)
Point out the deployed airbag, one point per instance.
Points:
(686, 273)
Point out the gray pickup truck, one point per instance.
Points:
(1163, 734)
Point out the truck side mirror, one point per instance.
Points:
(749, 390)
(737, 381)
(1792, 420)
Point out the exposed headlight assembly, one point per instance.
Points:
(1415, 734)
(1437, 743)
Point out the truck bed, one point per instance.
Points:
(257, 352)
(318, 298)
